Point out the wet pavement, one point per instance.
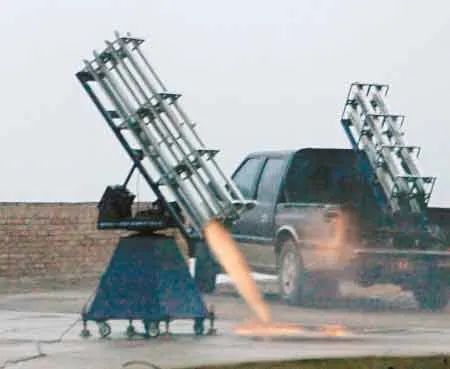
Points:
(383, 321)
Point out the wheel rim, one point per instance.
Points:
(289, 272)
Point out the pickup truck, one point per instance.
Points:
(316, 221)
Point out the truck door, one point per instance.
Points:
(254, 230)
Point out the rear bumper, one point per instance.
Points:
(401, 267)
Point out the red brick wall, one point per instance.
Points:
(52, 239)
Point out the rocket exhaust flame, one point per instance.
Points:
(230, 257)
(273, 329)
(334, 330)
(234, 263)
(292, 330)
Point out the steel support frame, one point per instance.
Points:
(84, 78)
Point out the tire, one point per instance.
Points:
(434, 295)
(151, 328)
(368, 275)
(104, 329)
(205, 270)
(291, 273)
(206, 280)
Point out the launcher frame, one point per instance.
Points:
(171, 157)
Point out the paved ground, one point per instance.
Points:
(379, 321)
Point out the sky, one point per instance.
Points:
(254, 75)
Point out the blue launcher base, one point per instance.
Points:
(147, 279)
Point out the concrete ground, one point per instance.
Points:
(378, 321)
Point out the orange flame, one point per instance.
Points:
(234, 263)
(334, 330)
(268, 329)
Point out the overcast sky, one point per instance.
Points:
(254, 74)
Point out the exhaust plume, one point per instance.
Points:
(275, 329)
(234, 263)
(230, 257)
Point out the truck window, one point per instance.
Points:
(246, 176)
(270, 180)
(323, 179)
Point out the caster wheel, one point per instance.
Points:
(85, 333)
(130, 332)
(199, 327)
(104, 329)
(152, 328)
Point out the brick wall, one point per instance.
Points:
(52, 239)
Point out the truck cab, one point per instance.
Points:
(297, 193)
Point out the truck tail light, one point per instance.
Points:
(331, 216)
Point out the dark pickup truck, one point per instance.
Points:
(316, 221)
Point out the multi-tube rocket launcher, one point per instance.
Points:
(397, 180)
(147, 278)
(176, 164)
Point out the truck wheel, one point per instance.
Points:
(432, 296)
(205, 269)
(290, 273)
(205, 278)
